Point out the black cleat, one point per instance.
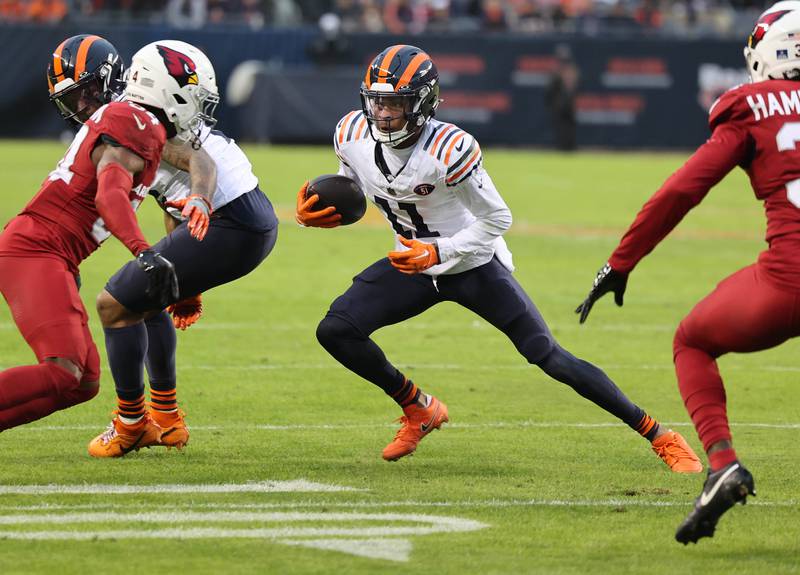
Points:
(721, 491)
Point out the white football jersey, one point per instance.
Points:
(442, 194)
(234, 173)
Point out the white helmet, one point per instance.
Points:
(177, 78)
(773, 48)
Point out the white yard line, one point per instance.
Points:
(294, 486)
(362, 534)
(436, 523)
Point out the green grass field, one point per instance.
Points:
(528, 477)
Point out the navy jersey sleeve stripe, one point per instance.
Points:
(446, 140)
(353, 123)
(430, 138)
(466, 155)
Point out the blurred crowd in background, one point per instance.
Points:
(718, 18)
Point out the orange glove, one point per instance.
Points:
(325, 218)
(186, 312)
(420, 257)
(197, 210)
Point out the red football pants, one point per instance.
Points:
(44, 301)
(744, 313)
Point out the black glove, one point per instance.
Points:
(163, 281)
(607, 280)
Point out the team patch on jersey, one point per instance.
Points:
(424, 189)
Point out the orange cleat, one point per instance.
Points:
(174, 432)
(416, 424)
(673, 449)
(120, 439)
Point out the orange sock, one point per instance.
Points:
(407, 394)
(647, 427)
(164, 401)
(131, 411)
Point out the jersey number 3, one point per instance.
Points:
(787, 139)
(420, 229)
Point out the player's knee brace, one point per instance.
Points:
(332, 331)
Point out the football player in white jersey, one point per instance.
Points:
(221, 227)
(428, 179)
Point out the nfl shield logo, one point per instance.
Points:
(782, 54)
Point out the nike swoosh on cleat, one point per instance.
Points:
(705, 498)
(424, 426)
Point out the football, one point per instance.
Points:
(340, 192)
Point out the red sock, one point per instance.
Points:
(721, 458)
(32, 392)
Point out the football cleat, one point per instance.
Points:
(174, 432)
(721, 491)
(675, 452)
(119, 438)
(416, 424)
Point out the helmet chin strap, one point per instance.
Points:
(406, 135)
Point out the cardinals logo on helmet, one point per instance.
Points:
(762, 26)
(179, 66)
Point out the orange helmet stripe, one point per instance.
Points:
(57, 69)
(384, 69)
(83, 50)
(411, 69)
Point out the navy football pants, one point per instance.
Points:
(381, 295)
(232, 248)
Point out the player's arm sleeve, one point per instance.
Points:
(478, 194)
(132, 128)
(114, 184)
(728, 146)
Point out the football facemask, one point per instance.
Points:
(401, 83)
(84, 74)
(392, 118)
(79, 101)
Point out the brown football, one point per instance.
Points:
(340, 192)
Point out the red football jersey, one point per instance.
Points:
(757, 127)
(62, 219)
